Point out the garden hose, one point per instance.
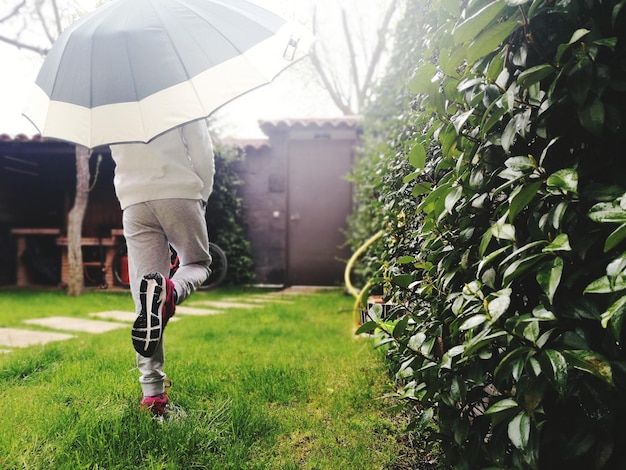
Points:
(358, 294)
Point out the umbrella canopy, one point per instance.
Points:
(133, 69)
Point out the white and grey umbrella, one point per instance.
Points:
(133, 69)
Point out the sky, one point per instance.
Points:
(292, 94)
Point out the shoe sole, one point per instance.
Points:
(148, 327)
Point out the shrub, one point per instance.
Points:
(226, 218)
(506, 239)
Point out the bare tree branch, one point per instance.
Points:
(14, 12)
(22, 45)
(329, 82)
(378, 51)
(354, 69)
(57, 17)
(332, 91)
(42, 20)
(351, 84)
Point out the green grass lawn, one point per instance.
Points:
(280, 386)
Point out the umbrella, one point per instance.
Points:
(134, 69)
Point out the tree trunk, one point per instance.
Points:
(76, 282)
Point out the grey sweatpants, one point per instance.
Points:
(149, 228)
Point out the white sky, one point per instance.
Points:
(289, 96)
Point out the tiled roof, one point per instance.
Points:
(21, 138)
(344, 122)
(246, 144)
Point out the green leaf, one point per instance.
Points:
(558, 369)
(606, 285)
(580, 80)
(508, 135)
(472, 322)
(565, 180)
(614, 316)
(535, 74)
(522, 198)
(520, 267)
(480, 340)
(549, 277)
(499, 304)
(518, 430)
(417, 156)
(459, 121)
(505, 404)
(615, 238)
(421, 188)
(503, 231)
(490, 39)
(452, 198)
(367, 327)
(591, 362)
(578, 34)
(422, 79)
(520, 163)
(472, 26)
(403, 280)
(560, 243)
(484, 242)
(490, 257)
(492, 117)
(591, 117)
(607, 212)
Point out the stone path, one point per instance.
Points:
(101, 322)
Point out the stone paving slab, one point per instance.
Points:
(17, 338)
(261, 299)
(117, 315)
(184, 310)
(76, 324)
(223, 304)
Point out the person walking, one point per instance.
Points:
(163, 187)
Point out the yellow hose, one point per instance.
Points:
(358, 294)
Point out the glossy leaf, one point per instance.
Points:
(452, 198)
(614, 317)
(591, 362)
(498, 305)
(608, 212)
(490, 39)
(422, 79)
(560, 243)
(549, 277)
(472, 27)
(505, 404)
(576, 36)
(535, 74)
(558, 369)
(592, 117)
(473, 322)
(615, 238)
(417, 156)
(519, 268)
(605, 285)
(522, 198)
(518, 430)
(503, 231)
(565, 180)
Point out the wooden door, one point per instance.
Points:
(319, 201)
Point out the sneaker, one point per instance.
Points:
(156, 404)
(156, 294)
